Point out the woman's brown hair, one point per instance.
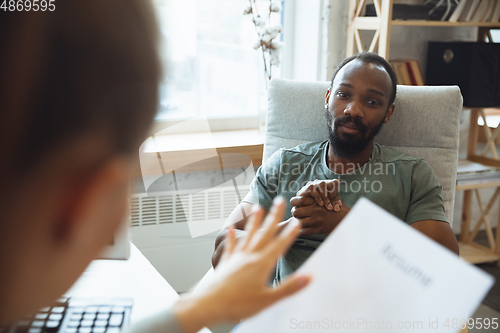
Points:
(89, 68)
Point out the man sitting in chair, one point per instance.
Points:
(323, 179)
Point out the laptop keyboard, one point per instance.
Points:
(77, 315)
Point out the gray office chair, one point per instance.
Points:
(425, 124)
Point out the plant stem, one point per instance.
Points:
(267, 75)
(270, 6)
(270, 65)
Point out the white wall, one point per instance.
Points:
(337, 34)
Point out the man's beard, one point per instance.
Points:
(349, 146)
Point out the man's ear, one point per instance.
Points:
(389, 112)
(96, 206)
(327, 97)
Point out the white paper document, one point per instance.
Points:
(375, 273)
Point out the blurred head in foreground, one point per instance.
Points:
(78, 91)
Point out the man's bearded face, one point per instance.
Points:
(357, 107)
(348, 145)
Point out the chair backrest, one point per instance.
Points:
(425, 124)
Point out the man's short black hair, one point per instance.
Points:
(371, 58)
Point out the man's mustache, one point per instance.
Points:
(353, 121)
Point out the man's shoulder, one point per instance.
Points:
(308, 149)
(391, 155)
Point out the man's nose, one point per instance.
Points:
(354, 110)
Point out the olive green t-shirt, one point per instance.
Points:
(405, 186)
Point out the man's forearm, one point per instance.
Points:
(219, 248)
(238, 219)
(219, 245)
(439, 231)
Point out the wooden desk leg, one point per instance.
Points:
(497, 237)
(473, 133)
(466, 215)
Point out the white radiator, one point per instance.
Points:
(161, 230)
(179, 207)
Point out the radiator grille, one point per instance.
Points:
(169, 207)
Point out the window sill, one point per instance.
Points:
(180, 147)
(197, 141)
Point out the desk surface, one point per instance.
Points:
(135, 278)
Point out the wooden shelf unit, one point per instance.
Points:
(469, 249)
(421, 23)
(383, 22)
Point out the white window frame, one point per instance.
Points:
(298, 63)
(216, 123)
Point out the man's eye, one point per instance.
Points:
(372, 102)
(341, 94)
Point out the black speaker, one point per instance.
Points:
(473, 66)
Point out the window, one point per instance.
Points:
(212, 69)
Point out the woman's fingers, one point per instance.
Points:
(270, 225)
(251, 228)
(231, 241)
(289, 286)
(283, 240)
